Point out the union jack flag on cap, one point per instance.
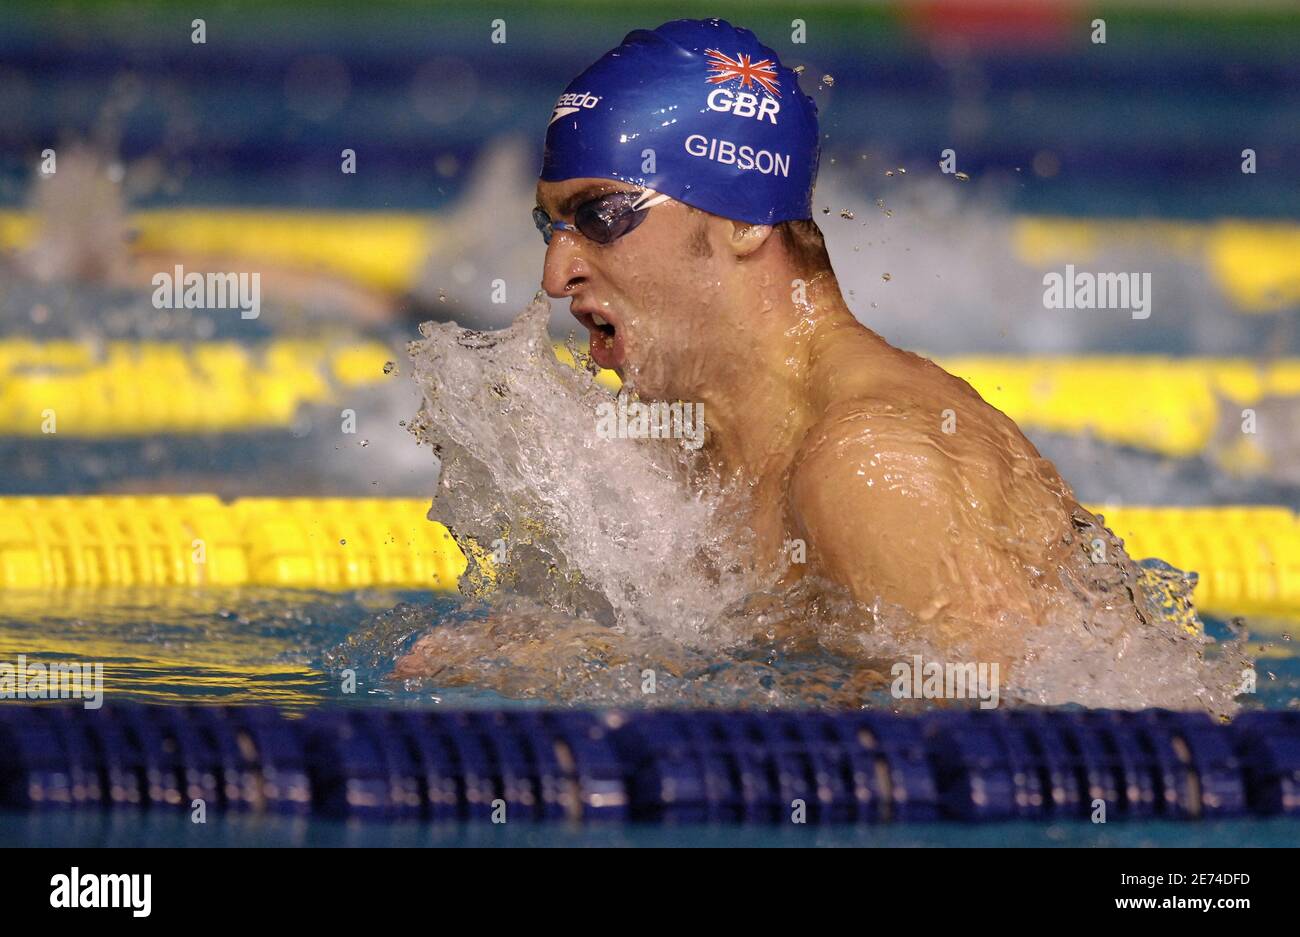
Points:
(744, 69)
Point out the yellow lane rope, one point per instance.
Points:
(69, 388)
(1248, 558)
(198, 540)
(1172, 406)
(1168, 405)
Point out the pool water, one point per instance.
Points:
(289, 648)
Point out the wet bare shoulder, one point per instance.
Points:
(868, 490)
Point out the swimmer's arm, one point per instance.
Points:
(879, 514)
(523, 654)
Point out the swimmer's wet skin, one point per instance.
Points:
(905, 486)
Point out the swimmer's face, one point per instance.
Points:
(653, 287)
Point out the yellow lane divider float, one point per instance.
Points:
(1167, 405)
(1248, 558)
(1172, 406)
(144, 388)
(199, 540)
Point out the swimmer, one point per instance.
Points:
(676, 202)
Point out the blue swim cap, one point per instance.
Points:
(699, 110)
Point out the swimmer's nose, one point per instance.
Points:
(564, 269)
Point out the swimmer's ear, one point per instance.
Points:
(747, 238)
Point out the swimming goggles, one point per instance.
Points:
(604, 219)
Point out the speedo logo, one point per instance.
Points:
(744, 104)
(572, 103)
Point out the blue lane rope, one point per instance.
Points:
(652, 766)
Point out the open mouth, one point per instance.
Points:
(605, 339)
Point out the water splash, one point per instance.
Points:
(624, 531)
